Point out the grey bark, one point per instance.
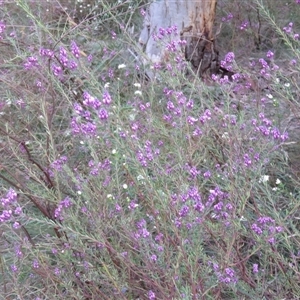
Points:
(194, 20)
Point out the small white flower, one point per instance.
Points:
(225, 135)
(79, 192)
(125, 186)
(138, 93)
(287, 84)
(81, 142)
(264, 179)
(275, 189)
(138, 85)
(278, 181)
(106, 85)
(121, 66)
(110, 196)
(140, 177)
(114, 151)
(270, 96)
(132, 117)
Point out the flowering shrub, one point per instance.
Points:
(117, 188)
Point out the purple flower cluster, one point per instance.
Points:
(189, 205)
(66, 203)
(147, 154)
(227, 62)
(264, 126)
(244, 25)
(2, 29)
(31, 62)
(96, 167)
(10, 207)
(64, 61)
(59, 163)
(228, 18)
(176, 104)
(142, 231)
(216, 194)
(75, 49)
(151, 295)
(227, 276)
(84, 122)
(265, 226)
(163, 32)
(192, 171)
(289, 31)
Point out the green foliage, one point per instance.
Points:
(117, 186)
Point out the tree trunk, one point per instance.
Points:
(194, 20)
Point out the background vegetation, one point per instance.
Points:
(114, 186)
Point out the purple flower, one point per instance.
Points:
(103, 114)
(229, 57)
(284, 136)
(90, 101)
(63, 57)
(73, 65)
(132, 205)
(151, 295)
(143, 12)
(265, 220)
(16, 225)
(229, 272)
(264, 63)
(35, 264)
(46, 52)
(184, 211)
(207, 174)
(10, 197)
(255, 268)
(193, 171)
(141, 224)
(66, 203)
(6, 215)
(57, 70)
(106, 98)
(218, 206)
(57, 164)
(159, 237)
(18, 210)
(31, 63)
(270, 54)
(153, 257)
(247, 160)
(191, 120)
(256, 229)
(90, 58)
(113, 35)
(74, 49)
(14, 268)
(2, 27)
(244, 25)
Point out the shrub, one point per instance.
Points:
(115, 187)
